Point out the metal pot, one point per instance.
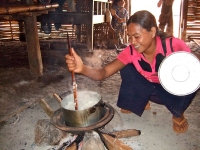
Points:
(90, 109)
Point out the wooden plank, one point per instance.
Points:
(193, 32)
(194, 37)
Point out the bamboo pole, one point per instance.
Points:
(19, 9)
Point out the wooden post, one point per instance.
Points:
(78, 26)
(90, 27)
(33, 46)
(183, 19)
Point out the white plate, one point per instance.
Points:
(179, 73)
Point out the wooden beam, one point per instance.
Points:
(21, 16)
(25, 8)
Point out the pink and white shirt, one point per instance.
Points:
(150, 71)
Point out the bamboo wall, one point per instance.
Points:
(9, 30)
(14, 30)
(193, 20)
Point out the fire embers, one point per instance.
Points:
(75, 143)
(98, 139)
(84, 141)
(103, 135)
(92, 141)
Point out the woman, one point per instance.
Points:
(166, 16)
(138, 65)
(120, 17)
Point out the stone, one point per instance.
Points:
(47, 134)
(92, 141)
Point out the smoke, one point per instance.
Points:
(94, 59)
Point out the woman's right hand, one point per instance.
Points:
(74, 62)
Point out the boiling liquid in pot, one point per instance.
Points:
(85, 100)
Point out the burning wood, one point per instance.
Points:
(86, 140)
(72, 144)
(126, 133)
(46, 107)
(58, 98)
(113, 143)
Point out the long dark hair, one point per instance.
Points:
(146, 20)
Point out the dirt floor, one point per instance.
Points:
(19, 90)
(19, 93)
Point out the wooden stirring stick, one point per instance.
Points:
(73, 77)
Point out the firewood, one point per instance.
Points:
(72, 147)
(58, 98)
(76, 142)
(113, 143)
(47, 109)
(126, 133)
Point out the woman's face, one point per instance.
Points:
(121, 3)
(140, 38)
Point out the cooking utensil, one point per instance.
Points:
(58, 120)
(73, 77)
(179, 73)
(91, 109)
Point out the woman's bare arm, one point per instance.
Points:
(74, 63)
